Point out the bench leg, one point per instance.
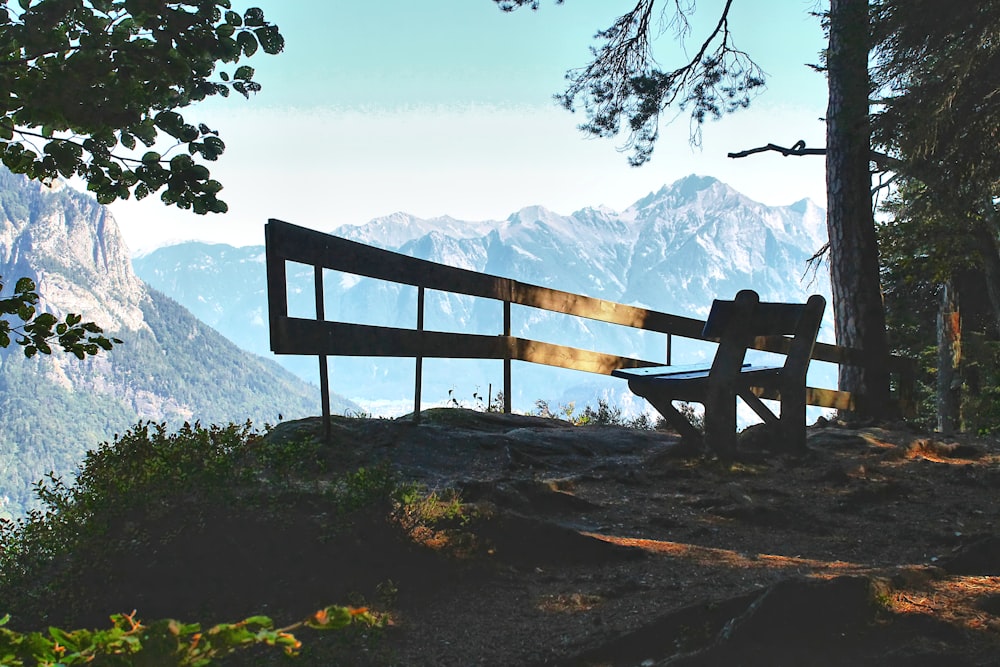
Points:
(758, 406)
(720, 424)
(793, 420)
(664, 405)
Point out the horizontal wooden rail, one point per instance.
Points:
(291, 243)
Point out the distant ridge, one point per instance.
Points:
(674, 250)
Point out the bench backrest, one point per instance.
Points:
(738, 322)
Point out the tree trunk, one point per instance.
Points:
(985, 233)
(949, 378)
(854, 270)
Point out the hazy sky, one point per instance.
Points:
(445, 107)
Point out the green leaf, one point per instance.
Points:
(247, 42)
(151, 157)
(169, 121)
(254, 16)
(270, 39)
(24, 285)
(244, 72)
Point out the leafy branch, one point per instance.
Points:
(92, 76)
(37, 330)
(164, 642)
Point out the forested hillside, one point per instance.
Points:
(170, 367)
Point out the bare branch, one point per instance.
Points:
(624, 82)
(798, 148)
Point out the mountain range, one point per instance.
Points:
(170, 368)
(674, 250)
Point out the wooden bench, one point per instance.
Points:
(736, 324)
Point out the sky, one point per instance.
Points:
(445, 107)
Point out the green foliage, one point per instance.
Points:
(927, 243)
(36, 329)
(95, 82)
(934, 68)
(165, 642)
(149, 491)
(130, 479)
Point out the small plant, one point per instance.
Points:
(437, 520)
(564, 412)
(413, 505)
(605, 415)
(489, 403)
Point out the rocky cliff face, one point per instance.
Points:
(70, 245)
(170, 368)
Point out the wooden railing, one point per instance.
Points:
(291, 335)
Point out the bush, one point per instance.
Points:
(152, 492)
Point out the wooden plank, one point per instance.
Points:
(307, 246)
(815, 396)
(563, 356)
(601, 310)
(305, 336)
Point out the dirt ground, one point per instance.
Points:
(605, 546)
(560, 545)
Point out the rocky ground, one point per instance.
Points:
(534, 542)
(606, 546)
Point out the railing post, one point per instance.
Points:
(670, 352)
(324, 374)
(419, 374)
(506, 360)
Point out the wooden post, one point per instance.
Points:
(324, 374)
(419, 374)
(506, 361)
(949, 379)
